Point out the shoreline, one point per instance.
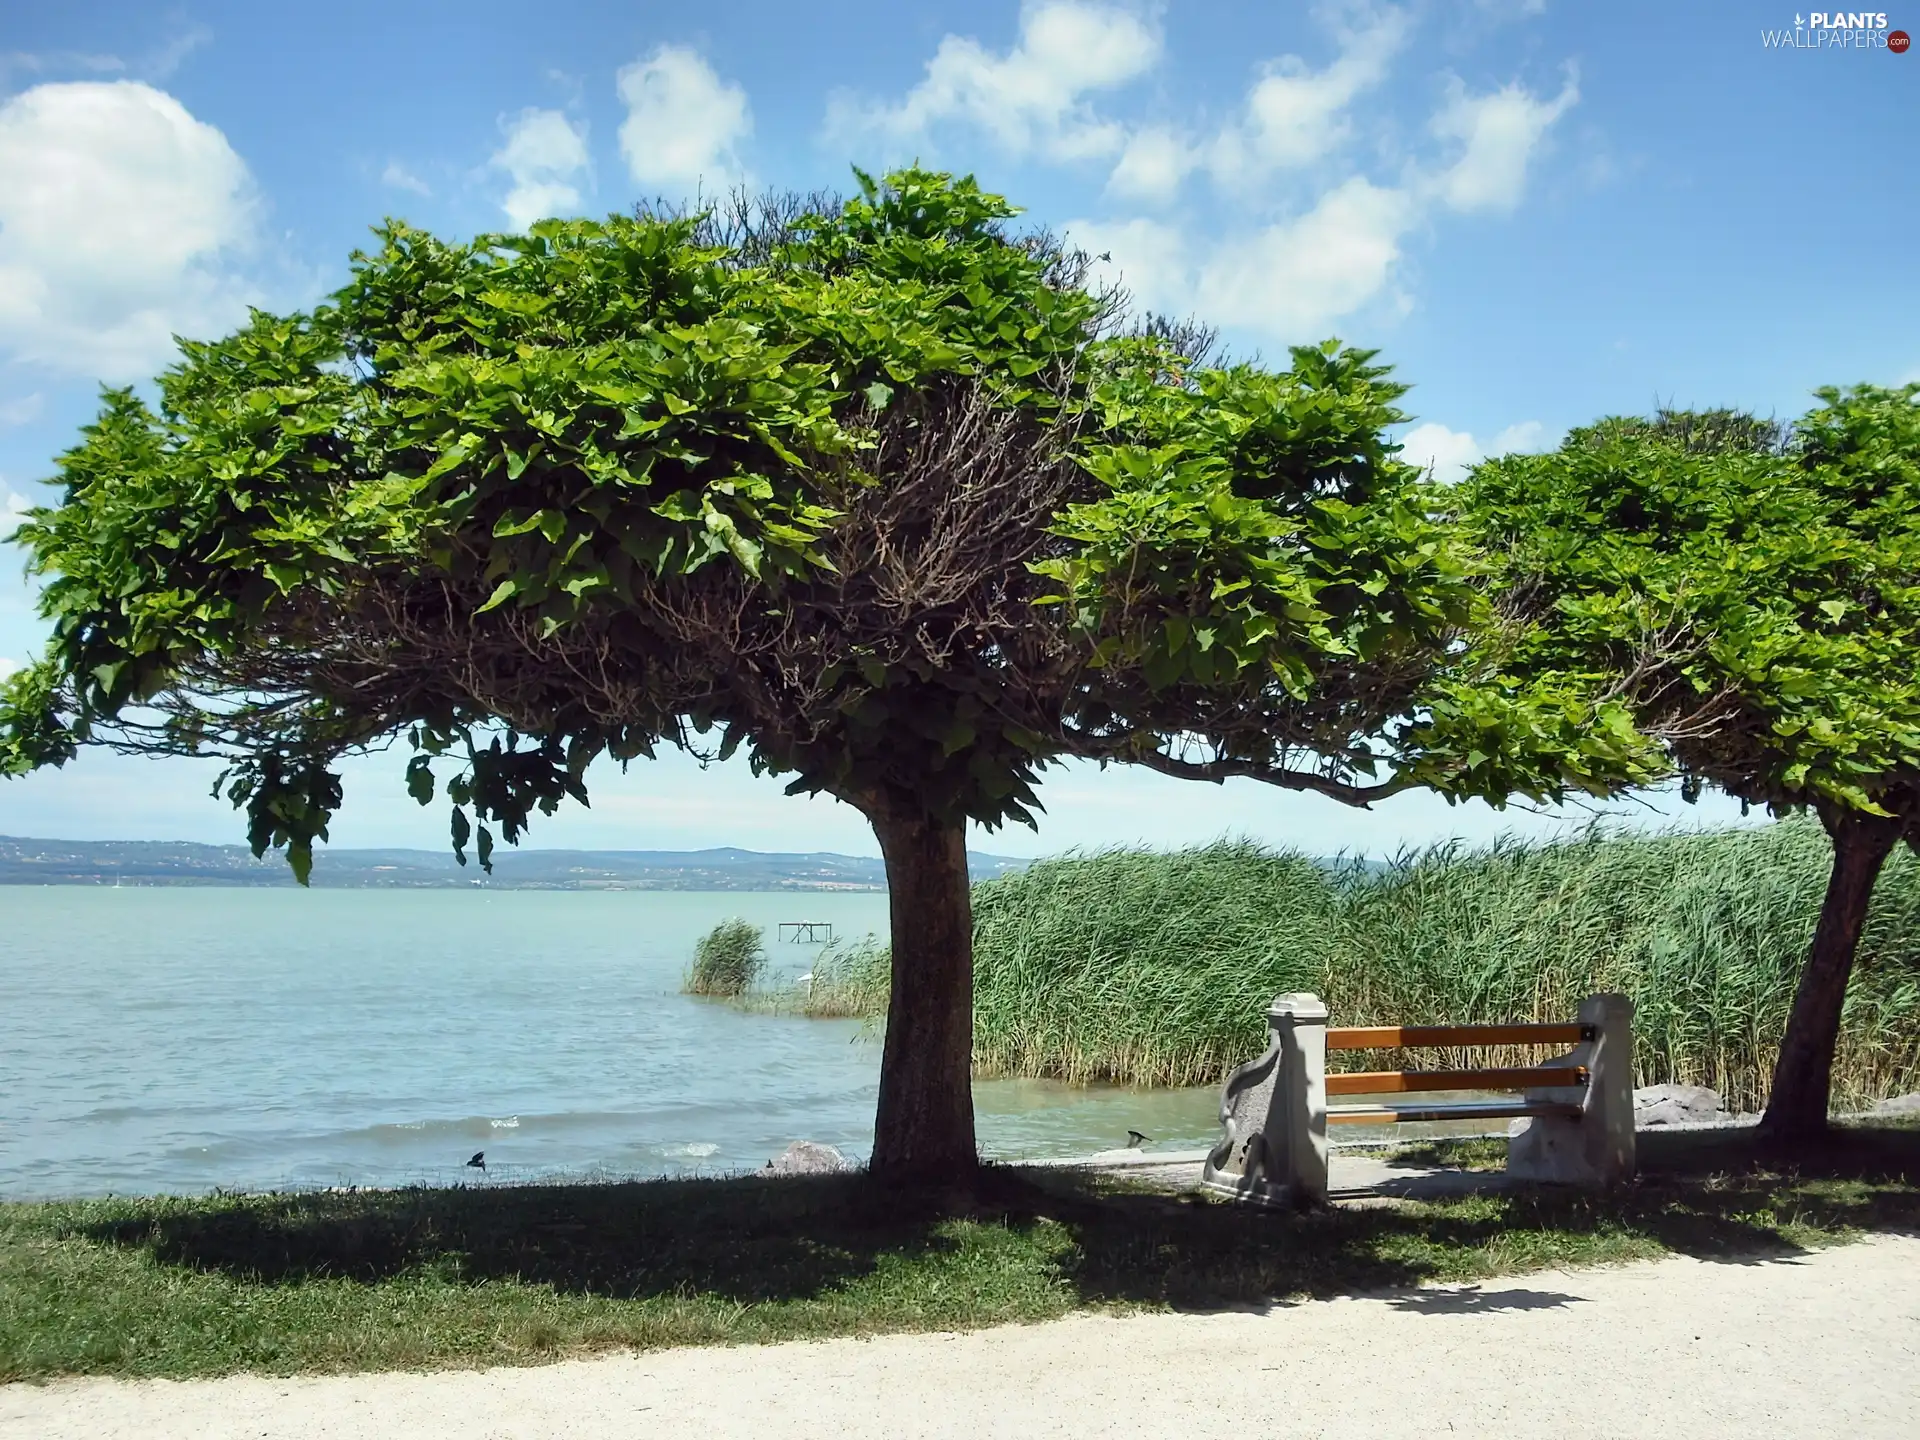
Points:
(1118, 1161)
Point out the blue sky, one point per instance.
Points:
(1539, 211)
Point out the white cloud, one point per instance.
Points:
(23, 411)
(401, 178)
(1152, 166)
(1449, 454)
(1153, 260)
(1289, 280)
(1297, 277)
(1296, 115)
(7, 667)
(1031, 100)
(119, 215)
(1500, 131)
(545, 154)
(1528, 437)
(1338, 244)
(684, 125)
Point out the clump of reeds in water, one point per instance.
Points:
(1156, 968)
(848, 981)
(727, 960)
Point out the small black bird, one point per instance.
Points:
(479, 1161)
(1135, 1139)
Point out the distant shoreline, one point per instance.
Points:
(175, 864)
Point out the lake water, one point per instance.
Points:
(186, 1039)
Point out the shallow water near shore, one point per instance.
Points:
(182, 1040)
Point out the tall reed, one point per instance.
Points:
(1706, 933)
(1156, 968)
(848, 980)
(727, 960)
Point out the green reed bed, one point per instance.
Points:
(1156, 968)
(1706, 933)
(1143, 967)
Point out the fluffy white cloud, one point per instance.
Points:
(1500, 132)
(1152, 260)
(684, 124)
(1338, 245)
(1032, 99)
(1296, 115)
(1526, 437)
(1449, 454)
(399, 177)
(7, 667)
(1293, 279)
(119, 216)
(545, 154)
(1288, 280)
(1152, 166)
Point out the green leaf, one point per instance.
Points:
(420, 779)
(502, 593)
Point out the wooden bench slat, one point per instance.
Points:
(1481, 1110)
(1387, 1037)
(1397, 1082)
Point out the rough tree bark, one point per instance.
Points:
(1803, 1076)
(923, 1128)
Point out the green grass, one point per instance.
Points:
(462, 1277)
(1155, 968)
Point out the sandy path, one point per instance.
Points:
(1828, 1344)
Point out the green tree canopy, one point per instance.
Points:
(879, 490)
(1754, 590)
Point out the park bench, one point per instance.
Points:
(1577, 1108)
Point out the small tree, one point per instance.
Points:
(1755, 593)
(881, 492)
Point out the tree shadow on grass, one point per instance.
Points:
(760, 1240)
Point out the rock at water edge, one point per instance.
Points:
(804, 1157)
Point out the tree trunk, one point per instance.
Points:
(1803, 1076)
(923, 1129)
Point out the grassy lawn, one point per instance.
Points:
(429, 1278)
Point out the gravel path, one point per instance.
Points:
(1826, 1344)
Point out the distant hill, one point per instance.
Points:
(138, 862)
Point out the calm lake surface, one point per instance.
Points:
(179, 1040)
